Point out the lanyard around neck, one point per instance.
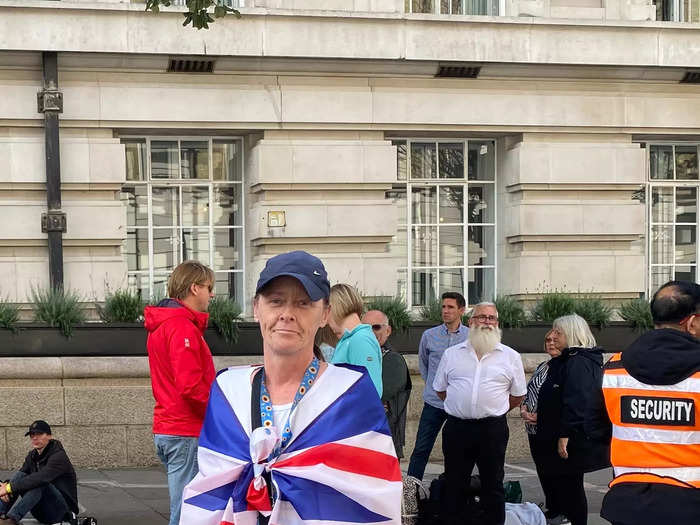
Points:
(266, 405)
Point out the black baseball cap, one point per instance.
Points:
(38, 427)
(304, 267)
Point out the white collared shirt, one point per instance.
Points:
(479, 388)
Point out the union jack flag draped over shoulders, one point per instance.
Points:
(339, 467)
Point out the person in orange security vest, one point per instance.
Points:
(652, 396)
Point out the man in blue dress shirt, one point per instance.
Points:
(433, 343)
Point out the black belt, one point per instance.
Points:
(479, 420)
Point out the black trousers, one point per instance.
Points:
(466, 442)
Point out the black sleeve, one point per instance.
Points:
(27, 465)
(578, 386)
(56, 465)
(394, 375)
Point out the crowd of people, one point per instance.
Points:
(314, 433)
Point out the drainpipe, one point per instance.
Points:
(53, 222)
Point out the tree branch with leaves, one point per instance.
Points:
(199, 12)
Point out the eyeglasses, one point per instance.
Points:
(376, 327)
(485, 318)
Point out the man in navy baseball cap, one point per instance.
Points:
(304, 267)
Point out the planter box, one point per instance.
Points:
(97, 339)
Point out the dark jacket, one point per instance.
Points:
(659, 357)
(569, 405)
(396, 390)
(51, 466)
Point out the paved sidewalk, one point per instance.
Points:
(140, 496)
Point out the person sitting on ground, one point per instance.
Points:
(46, 483)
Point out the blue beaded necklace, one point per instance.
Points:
(266, 405)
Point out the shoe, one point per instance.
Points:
(559, 520)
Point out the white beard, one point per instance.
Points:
(484, 339)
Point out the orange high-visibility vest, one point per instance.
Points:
(655, 428)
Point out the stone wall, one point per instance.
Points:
(101, 408)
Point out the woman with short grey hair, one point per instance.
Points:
(569, 441)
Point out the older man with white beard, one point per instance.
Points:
(480, 380)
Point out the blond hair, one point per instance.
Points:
(345, 301)
(185, 275)
(576, 330)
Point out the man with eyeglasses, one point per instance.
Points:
(182, 371)
(396, 379)
(480, 381)
(652, 396)
(433, 343)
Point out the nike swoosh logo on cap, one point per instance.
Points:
(316, 273)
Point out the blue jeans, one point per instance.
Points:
(179, 456)
(431, 421)
(46, 503)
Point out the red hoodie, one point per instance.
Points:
(182, 369)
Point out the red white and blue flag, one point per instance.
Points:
(339, 467)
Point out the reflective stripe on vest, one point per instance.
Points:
(656, 428)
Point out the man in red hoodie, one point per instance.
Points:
(182, 371)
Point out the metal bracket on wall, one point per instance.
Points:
(49, 100)
(54, 221)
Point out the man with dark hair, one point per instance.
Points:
(45, 485)
(652, 396)
(433, 343)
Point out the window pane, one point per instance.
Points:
(481, 285)
(444, 7)
(160, 286)
(226, 160)
(457, 7)
(166, 249)
(451, 245)
(661, 244)
(686, 163)
(451, 280)
(194, 159)
(686, 205)
(137, 249)
(685, 244)
(662, 204)
(229, 285)
(164, 161)
(661, 162)
(451, 204)
(399, 242)
(165, 206)
(660, 275)
(135, 159)
(227, 205)
(423, 6)
(195, 245)
(401, 284)
(195, 205)
(228, 244)
(425, 246)
(139, 283)
(423, 209)
(480, 249)
(451, 160)
(685, 273)
(423, 164)
(482, 203)
(400, 159)
(423, 287)
(482, 156)
(135, 199)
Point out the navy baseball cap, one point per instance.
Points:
(304, 267)
(38, 427)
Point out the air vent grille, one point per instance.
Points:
(177, 65)
(691, 77)
(458, 71)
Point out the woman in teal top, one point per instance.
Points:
(357, 344)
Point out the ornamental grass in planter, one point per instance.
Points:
(122, 306)
(224, 314)
(637, 312)
(9, 315)
(58, 308)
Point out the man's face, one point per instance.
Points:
(484, 317)
(288, 318)
(39, 440)
(451, 311)
(200, 295)
(379, 324)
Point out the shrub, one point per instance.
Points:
(9, 315)
(224, 312)
(432, 311)
(122, 306)
(638, 313)
(593, 310)
(395, 309)
(511, 313)
(552, 305)
(58, 308)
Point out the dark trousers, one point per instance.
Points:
(431, 421)
(466, 442)
(46, 503)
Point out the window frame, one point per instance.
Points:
(149, 182)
